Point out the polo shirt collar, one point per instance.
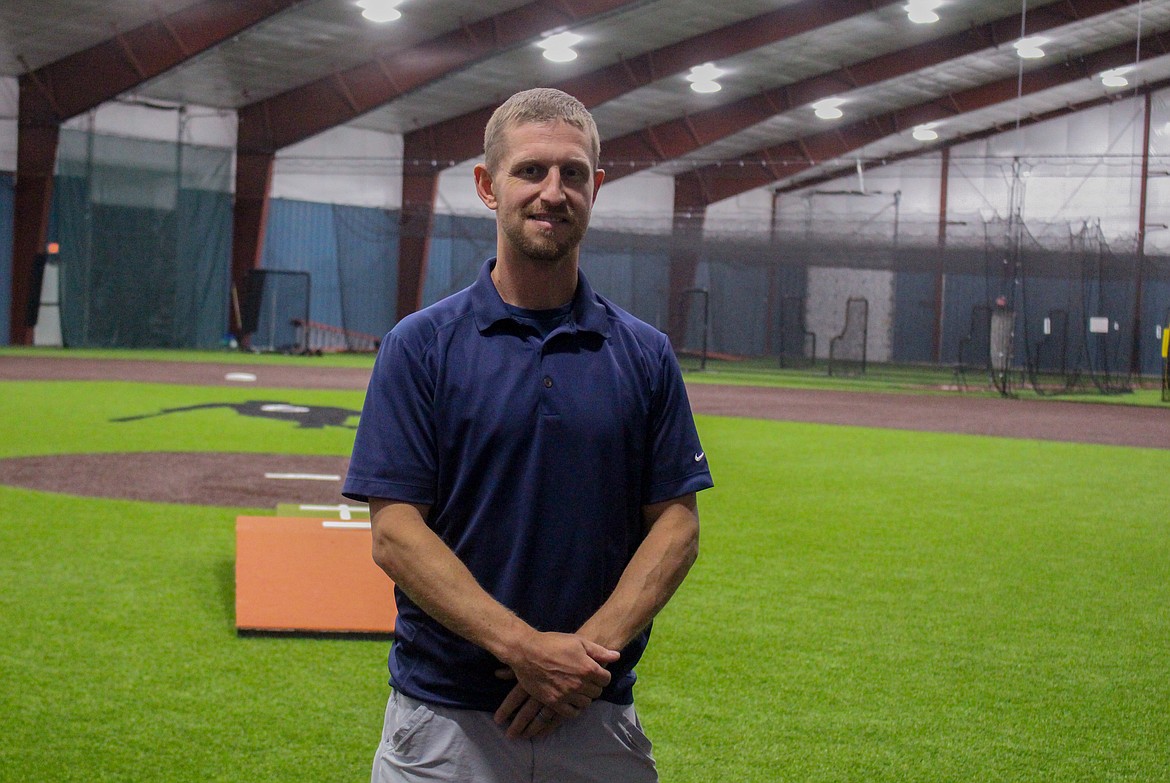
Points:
(588, 313)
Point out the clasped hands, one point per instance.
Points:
(557, 676)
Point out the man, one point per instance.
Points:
(531, 464)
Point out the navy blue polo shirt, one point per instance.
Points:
(535, 454)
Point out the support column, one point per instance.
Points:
(249, 221)
(690, 213)
(420, 187)
(939, 275)
(1135, 362)
(38, 130)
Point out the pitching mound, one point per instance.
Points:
(208, 479)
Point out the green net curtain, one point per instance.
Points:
(145, 234)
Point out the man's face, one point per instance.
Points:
(543, 190)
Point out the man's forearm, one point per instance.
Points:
(549, 665)
(425, 568)
(652, 576)
(649, 580)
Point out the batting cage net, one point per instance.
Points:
(275, 311)
(798, 346)
(693, 350)
(1001, 288)
(847, 351)
(144, 230)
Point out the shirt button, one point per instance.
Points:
(547, 382)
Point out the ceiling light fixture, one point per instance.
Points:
(922, 11)
(380, 10)
(926, 132)
(1115, 77)
(559, 47)
(702, 78)
(827, 108)
(1029, 48)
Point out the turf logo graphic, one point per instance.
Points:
(306, 417)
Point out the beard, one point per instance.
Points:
(539, 245)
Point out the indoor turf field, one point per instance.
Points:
(869, 605)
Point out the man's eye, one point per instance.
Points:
(530, 171)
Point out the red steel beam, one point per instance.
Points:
(460, 138)
(81, 81)
(420, 185)
(729, 178)
(293, 116)
(672, 139)
(250, 208)
(944, 189)
(1135, 357)
(995, 130)
(36, 154)
(697, 189)
(685, 254)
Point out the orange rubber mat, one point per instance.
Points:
(305, 574)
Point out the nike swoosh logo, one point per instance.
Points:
(699, 457)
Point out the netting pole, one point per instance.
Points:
(940, 273)
(1003, 320)
(1135, 359)
(706, 322)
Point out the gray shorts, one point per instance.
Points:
(424, 742)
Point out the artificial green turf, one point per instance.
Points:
(893, 606)
(121, 661)
(879, 377)
(358, 360)
(906, 379)
(50, 417)
(869, 605)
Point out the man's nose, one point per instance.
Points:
(553, 190)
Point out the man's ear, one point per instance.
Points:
(598, 178)
(484, 186)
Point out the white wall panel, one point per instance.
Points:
(748, 214)
(1079, 168)
(457, 192)
(828, 291)
(641, 202)
(160, 122)
(9, 97)
(1158, 195)
(343, 165)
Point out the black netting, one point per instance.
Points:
(144, 229)
(848, 350)
(276, 311)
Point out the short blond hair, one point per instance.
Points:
(542, 104)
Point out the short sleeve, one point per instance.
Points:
(678, 463)
(394, 455)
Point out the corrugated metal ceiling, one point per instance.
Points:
(318, 38)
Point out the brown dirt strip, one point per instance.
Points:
(1084, 422)
(238, 479)
(194, 478)
(1119, 425)
(36, 368)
